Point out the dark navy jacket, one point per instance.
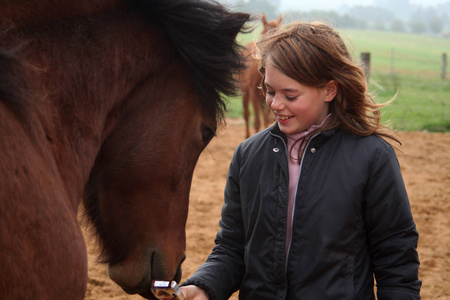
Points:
(352, 220)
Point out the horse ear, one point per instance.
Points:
(280, 19)
(263, 19)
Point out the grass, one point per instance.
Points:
(419, 105)
(404, 64)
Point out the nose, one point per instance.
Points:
(275, 102)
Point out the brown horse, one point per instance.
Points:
(111, 101)
(251, 82)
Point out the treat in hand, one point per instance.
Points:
(164, 289)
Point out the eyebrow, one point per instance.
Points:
(284, 90)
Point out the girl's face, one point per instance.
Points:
(296, 106)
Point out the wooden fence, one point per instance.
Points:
(365, 59)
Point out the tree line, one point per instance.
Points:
(393, 15)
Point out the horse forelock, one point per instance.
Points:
(204, 33)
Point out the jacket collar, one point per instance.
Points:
(275, 130)
(322, 137)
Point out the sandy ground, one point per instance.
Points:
(425, 163)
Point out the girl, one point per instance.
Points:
(315, 206)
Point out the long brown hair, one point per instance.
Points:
(314, 54)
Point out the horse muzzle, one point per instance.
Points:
(135, 276)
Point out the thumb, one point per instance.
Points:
(192, 292)
(185, 291)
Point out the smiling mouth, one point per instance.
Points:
(284, 118)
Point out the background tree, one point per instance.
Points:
(379, 25)
(395, 15)
(417, 26)
(371, 13)
(436, 24)
(398, 25)
(257, 7)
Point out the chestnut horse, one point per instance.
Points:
(251, 85)
(111, 101)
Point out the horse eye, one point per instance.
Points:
(207, 134)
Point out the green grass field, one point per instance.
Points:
(407, 64)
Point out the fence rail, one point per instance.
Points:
(399, 63)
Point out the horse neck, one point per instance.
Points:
(84, 78)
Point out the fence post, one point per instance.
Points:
(444, 66)
(392, 61)
(365, 58)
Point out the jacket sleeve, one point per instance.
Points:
(390, 229)
(222, 273)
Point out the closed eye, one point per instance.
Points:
(270, 93)
(291, 98)
(207, 134)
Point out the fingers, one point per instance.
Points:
(192, 292)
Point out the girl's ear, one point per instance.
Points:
(331, 88)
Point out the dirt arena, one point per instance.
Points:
(425, 163)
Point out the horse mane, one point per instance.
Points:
(204, 33)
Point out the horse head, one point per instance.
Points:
(271, 24)
(126, 95)
(137, 194)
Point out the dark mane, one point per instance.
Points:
(204, 33)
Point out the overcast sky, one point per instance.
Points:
(336, 4)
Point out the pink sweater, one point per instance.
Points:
(294, 172)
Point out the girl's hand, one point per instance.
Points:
(192, 292)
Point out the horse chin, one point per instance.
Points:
(133, 279)
(135, 276)
(149, 295)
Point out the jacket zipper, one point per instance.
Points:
(296, 190)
